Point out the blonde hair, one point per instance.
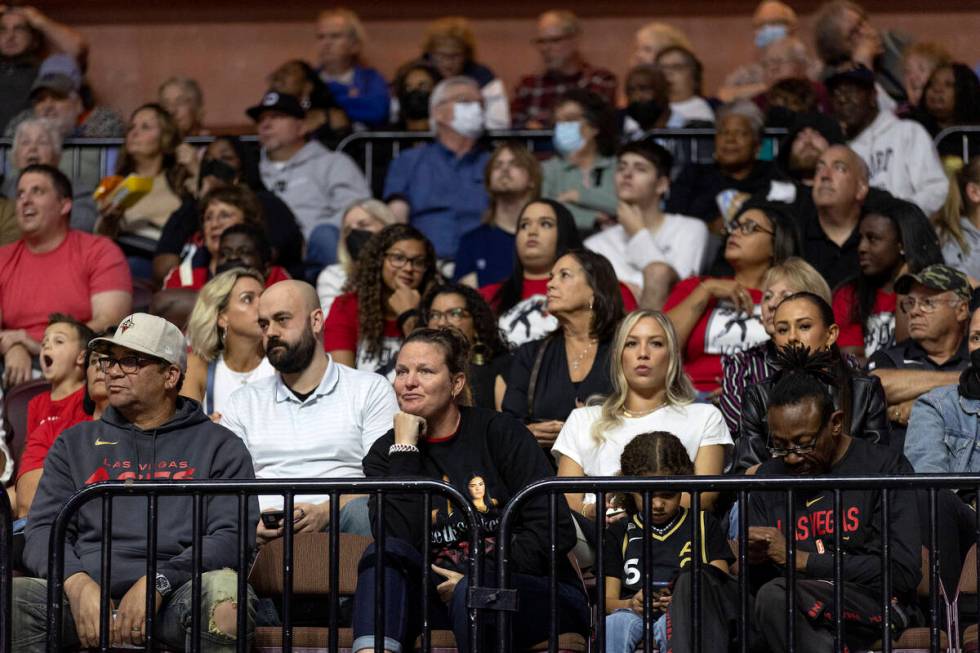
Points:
(669, 35)
(947, 220)
(930, 50)
(202, 327)
(374, 208)
(451, 28)
(680, 390)
(801, 275)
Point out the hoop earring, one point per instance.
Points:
(480, 351)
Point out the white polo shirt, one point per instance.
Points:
(325, 436)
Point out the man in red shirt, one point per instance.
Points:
(54, 269)
(558, 39)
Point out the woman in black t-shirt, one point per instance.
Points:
(436, 438)
(552, 376)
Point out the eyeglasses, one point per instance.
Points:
(550, 40)
(452, 315)
(926, 304)
(747, 228)
(129, 364)
(798, 450)
(399, 260)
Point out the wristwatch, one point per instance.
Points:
(163, 585)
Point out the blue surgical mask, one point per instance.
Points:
(770, 33)
(467, 119)
(568, 137)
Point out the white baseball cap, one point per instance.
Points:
(151, 335)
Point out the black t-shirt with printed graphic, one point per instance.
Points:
(670, 551)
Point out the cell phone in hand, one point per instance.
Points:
(272, 519)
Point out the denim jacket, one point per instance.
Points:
(944, 433)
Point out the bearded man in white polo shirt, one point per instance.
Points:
(314, 419)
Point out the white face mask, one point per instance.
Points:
(770, 33)
(467, 119)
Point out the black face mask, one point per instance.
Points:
(645, 113)
(778, 117)
(414, 104)
(355, 242)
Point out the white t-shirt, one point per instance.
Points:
(695, 425)
(680, 242)
(693, 108)
(226, 381)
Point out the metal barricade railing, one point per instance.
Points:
(245, 491)
(741, 487)
(964, 132)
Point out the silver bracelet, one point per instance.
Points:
(402, 448)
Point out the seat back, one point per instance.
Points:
(311, 564)
(15, 413)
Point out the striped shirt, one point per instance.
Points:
(739, 371)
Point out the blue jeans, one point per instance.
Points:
(321, 249)
(173, 621)
(624, 632)
(403, 609)
(354, 517)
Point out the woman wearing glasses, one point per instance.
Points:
(896, 237)
(460, 307)
(806, 320)
(714, 316)
(380, 305)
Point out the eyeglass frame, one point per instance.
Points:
(106, 362)
(413, 260)
(932, 300)
(799, 450)
(462, 312)
(741, 226)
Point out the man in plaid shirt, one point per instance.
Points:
(558, 42)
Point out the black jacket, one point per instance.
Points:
(869, 420)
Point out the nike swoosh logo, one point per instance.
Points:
(813, 501)
(99, 442)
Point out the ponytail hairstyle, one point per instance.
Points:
(958, 203)
(829, 365)
(657, 453)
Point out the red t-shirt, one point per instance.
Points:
(46, 419)
(33, 286)
(878, 333)
(341, 331)
(540, 287)
(719, 331)
(201, 275)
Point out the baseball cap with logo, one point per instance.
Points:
(150, 335)
(281, 102)
(937, 277)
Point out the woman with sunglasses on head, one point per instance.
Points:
(716, 316)
(896, 237)
(806, 320)
(366, 325)
(459, 307)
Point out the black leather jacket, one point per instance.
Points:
(869, 419)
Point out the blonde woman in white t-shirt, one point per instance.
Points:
(650, 393)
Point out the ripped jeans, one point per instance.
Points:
(172, 623)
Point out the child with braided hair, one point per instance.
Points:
(659, 453)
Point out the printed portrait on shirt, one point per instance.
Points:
(450, 528)
(528, 320)
(879, 332)
(384, 362)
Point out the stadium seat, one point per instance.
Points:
(916, 640)
(15, 413)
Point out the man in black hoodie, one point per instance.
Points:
(147, 432)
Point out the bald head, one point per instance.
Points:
(292, 327)
(298, 294)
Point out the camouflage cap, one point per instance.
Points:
(937, 277)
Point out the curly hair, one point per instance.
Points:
(599, 114)
(175, 173)
(368, 282)
(488, 335)
(657, 453)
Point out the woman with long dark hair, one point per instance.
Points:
(459, 307)
(550, 377)
(545, 232)
(379, 307)
(896, 238)
(719, 315)
(806, 320)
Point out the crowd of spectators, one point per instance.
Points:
(489, 315)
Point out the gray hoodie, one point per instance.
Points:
(317, 184)
(189, 446)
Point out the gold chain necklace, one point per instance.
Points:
(643, 413)
(577, 361)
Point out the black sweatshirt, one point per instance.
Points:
(502, 452)
(861, 536)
